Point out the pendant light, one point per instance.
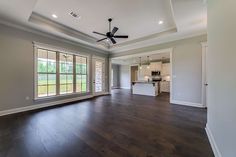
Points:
(140, 63)
(148, 62)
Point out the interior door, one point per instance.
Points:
(204, 76)
(98, 76)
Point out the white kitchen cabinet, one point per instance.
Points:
(165, 86)
(155, 66)
(165, 69)
(144, 72)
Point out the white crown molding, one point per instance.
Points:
(152, 36)
(51, 36)
(178, 102)
(212, 142)
(142, 54)
(173, 14)
(164, 40)
(40, 20)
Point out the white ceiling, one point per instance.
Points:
(136, 18)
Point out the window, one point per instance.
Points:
(46, 73)
(112, 77)
(66, 73)
(81, 74)
(60, 73)
(98, 76)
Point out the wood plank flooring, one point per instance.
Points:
(120, 125)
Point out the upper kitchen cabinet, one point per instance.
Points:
(165, 69)
(144, 72)
(155, 66)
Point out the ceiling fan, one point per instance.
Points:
(111, 34)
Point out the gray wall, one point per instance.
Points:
(222, 75)
(187, 71)
(125, 76)
(17, 66)
(116, 75)
(187, 68)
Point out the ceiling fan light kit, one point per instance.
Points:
(110, 35)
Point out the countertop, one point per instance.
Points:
(145, 82)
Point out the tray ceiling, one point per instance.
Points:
(137, 18)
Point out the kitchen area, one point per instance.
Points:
(153, 77)
(147, 75)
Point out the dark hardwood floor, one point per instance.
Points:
(120, 125)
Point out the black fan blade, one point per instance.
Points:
(101, 39)
(121, 36)
(113, 40)
(115, 29)
(99, 33)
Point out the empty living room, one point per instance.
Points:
(117, 78)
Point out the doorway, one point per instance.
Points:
(134, 73)
(204, 74)
(146, 66)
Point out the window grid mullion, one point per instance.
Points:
(74, 74)
(47, 73)
(57, 73)
(66, 75)
(86, 75)
(81, 71)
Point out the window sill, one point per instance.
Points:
(60, 96)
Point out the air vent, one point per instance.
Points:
(75, 15)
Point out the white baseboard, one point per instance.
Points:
(212, 142)
(125, 87)
(38, 106)
(115, 87)
(101, 94)
(186, 103)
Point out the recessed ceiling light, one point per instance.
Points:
(160, 22)
(54, 16)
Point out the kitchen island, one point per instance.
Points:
(148, 88)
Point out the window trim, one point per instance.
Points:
(58, 51)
